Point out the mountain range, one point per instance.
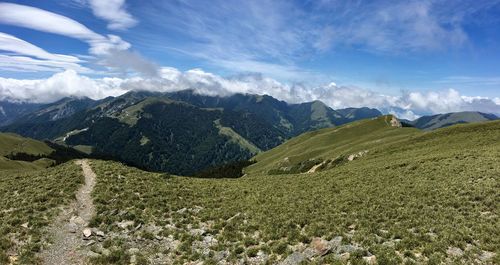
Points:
(184, 132)
(179, 132)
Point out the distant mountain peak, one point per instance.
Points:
(436, 121)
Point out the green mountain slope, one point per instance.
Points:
(12, 145)
(328, 147)
(394, 204)
(164, 136)
(444, 120)
(354, 114)
(291, 119)
(21, 153)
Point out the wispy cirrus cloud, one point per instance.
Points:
(287, 33)
(471, 80)
(12, 44)
(42, 20)
(24, 56)
(383, 26)
(248, 36)
(107, 49)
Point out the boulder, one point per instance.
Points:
(320, 245)
(260, 258)
(370, 260)
(344, 257)
(486, 256)
(181, 211)
(133, 251)
(220, 255)
(77, 220)
(454, 252)
(92, 254)
(346, 249)
(106, 252)
(196, 231)
(99, 233)
(72, 227)
(294, 259)
(335, 242)
(87, 232)
(125, 224)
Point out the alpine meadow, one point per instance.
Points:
(249, 132)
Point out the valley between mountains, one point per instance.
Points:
(372, 191)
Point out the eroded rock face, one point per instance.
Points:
(395, 122)
(357, 155)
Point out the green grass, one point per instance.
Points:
(413, 196)
(236, 138)
(87, 149)
(13, 143)
(31, 199)
(7, 164)
(331, 143)
(132, 114)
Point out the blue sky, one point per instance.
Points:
(389, 48)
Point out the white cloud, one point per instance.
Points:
(114, 12)
(106, 48)
(407, 105)
(67, 83)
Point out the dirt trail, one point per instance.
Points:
(66, 231)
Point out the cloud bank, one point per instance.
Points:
(408, 105)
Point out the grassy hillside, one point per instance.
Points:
(12, 144)
(28, 201)
(334, 144)
(413, 198)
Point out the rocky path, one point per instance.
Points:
(69, 228)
